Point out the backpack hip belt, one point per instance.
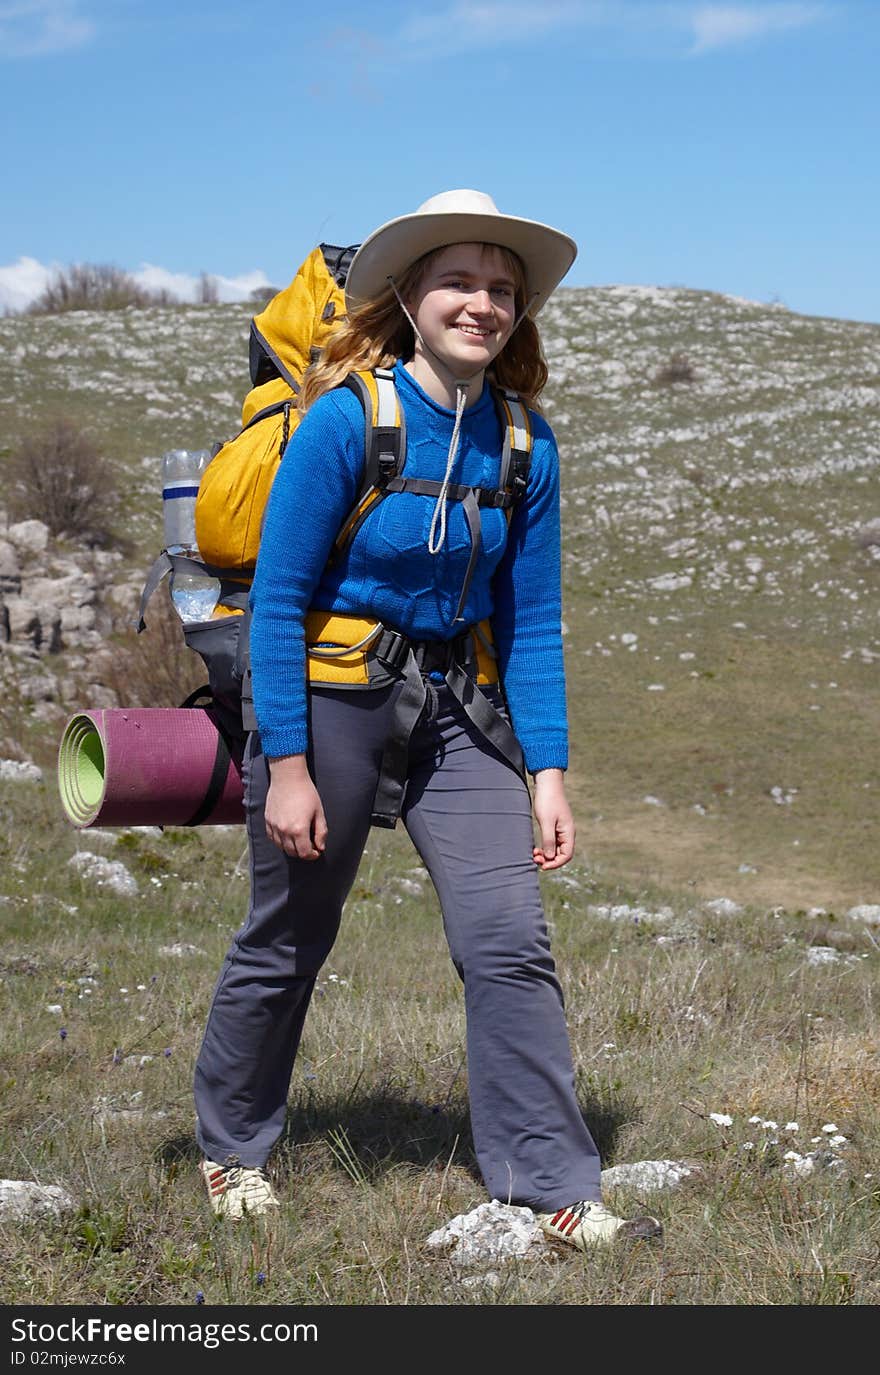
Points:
(467, 662)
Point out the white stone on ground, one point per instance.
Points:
(20, 1199)
(648, 1175)
(622, 911)
(20, 771)
(867, 912)
(492, 1233)
(724, 907)
(822, 954)
(105, 873)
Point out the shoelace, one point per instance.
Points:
(568, 1219)
(235, 1176)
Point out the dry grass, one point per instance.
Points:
(672, 1017)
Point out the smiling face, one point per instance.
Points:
(465, 306)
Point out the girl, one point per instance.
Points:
(441, 298)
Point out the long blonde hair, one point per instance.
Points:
(378, 333)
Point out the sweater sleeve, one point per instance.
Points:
(527, 620)
(314, 489)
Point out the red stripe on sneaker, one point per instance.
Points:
(574, 1222)
(555, 1220)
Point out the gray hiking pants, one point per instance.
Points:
(468, 814)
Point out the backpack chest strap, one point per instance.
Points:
(495, 497)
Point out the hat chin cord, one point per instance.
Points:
(437, 540)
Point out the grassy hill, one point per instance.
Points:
(720, 584)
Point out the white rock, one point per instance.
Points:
(670, 582)
(408, 885)
(651, 801)
(30, 536)
(20, 771)
(648, 1175)
(10, 578)
(104, 873)
(622, 911)
(492, 1233)
(724, 907)
(822, 954)
(489, 1280)
(124, 1111)
(867, 912)
(20, 1199)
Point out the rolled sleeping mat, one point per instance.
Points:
(148, 766)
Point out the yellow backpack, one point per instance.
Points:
(285, 339)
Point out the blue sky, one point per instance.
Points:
(731, 147)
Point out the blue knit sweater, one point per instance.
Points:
(388, 572)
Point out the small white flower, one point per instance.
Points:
(791, 1127)
(830, 1128)
(816, 1140)
(770, 1126)
(756, 1121)
(721, 1119)
(837, 1141)
(792, 1155)
(747, 1146)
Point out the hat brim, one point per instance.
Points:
(546, 254)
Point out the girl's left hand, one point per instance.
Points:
(554, 819)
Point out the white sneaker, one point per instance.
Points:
(590, 1224)
(238, 1190)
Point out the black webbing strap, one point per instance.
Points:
(388, 798)
(472, 515)
(496, 497)
(411, 659)
(481, 713)
(222, 759)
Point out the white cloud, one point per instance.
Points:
(717, 26)
(36, 28)
(467, 24)
(22, 282)
(185, 287)
(463, 26)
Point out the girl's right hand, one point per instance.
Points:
(295, 818)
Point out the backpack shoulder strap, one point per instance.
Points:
(516, 453)
(384, 445)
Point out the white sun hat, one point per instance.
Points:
(459, 217)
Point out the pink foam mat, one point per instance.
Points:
(148, 766)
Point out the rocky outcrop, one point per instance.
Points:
(54, 601)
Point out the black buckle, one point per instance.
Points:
(392, 648)
(386, 468)
(433, 655)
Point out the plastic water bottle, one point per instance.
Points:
(193, 594)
